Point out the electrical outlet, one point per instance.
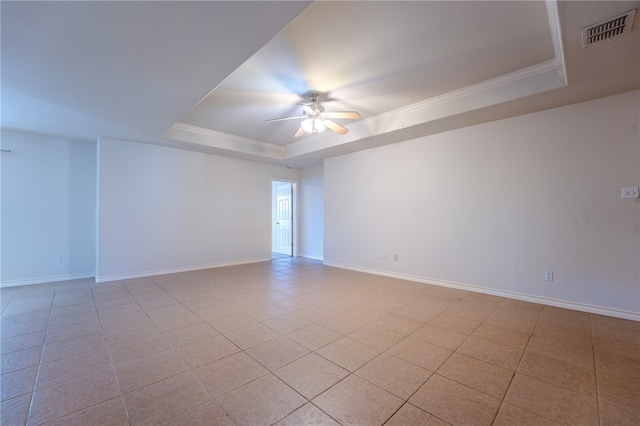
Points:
(202, 252)
(548, 276)
(395, 257)
(630, 192)
(61, 259)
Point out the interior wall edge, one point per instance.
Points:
(575, 306)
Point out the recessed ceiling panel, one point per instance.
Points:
(374, 57)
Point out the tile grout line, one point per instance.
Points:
(595, 370)
(515, 370)
(9, 302)
(448, 357)
(518, 365)
(113, 367)
(44, 340)
(456, 351)
(192, 368)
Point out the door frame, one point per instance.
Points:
(294, 211)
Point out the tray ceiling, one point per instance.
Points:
(206, 75)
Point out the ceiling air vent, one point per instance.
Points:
(606, 30)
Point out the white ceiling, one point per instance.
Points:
(206, 75)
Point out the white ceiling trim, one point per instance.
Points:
(556, 36)
(526, 82)
(214, 139)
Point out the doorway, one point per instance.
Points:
(283, 227)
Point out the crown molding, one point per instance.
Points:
(528, 81)
(215, 139)
(556, 37)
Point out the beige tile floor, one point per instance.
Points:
(292, 342)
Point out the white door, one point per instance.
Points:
(284, 219)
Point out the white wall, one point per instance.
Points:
(48, 208)
(496, 205)
(158, 207)
(312, 216)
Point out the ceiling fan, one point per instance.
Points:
(315, 119)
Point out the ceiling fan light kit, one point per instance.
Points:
(313, 125)
(316, 120)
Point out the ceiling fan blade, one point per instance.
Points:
(343, 114)
(285, 118)
(335, 127)
(299, 133)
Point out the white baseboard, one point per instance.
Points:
(142, 274)
(14, 283)
(312, 257)
(593, 309)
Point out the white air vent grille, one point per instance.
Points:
(608, 29)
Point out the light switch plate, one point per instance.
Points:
(630, 192)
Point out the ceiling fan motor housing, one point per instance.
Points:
(313, 96)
